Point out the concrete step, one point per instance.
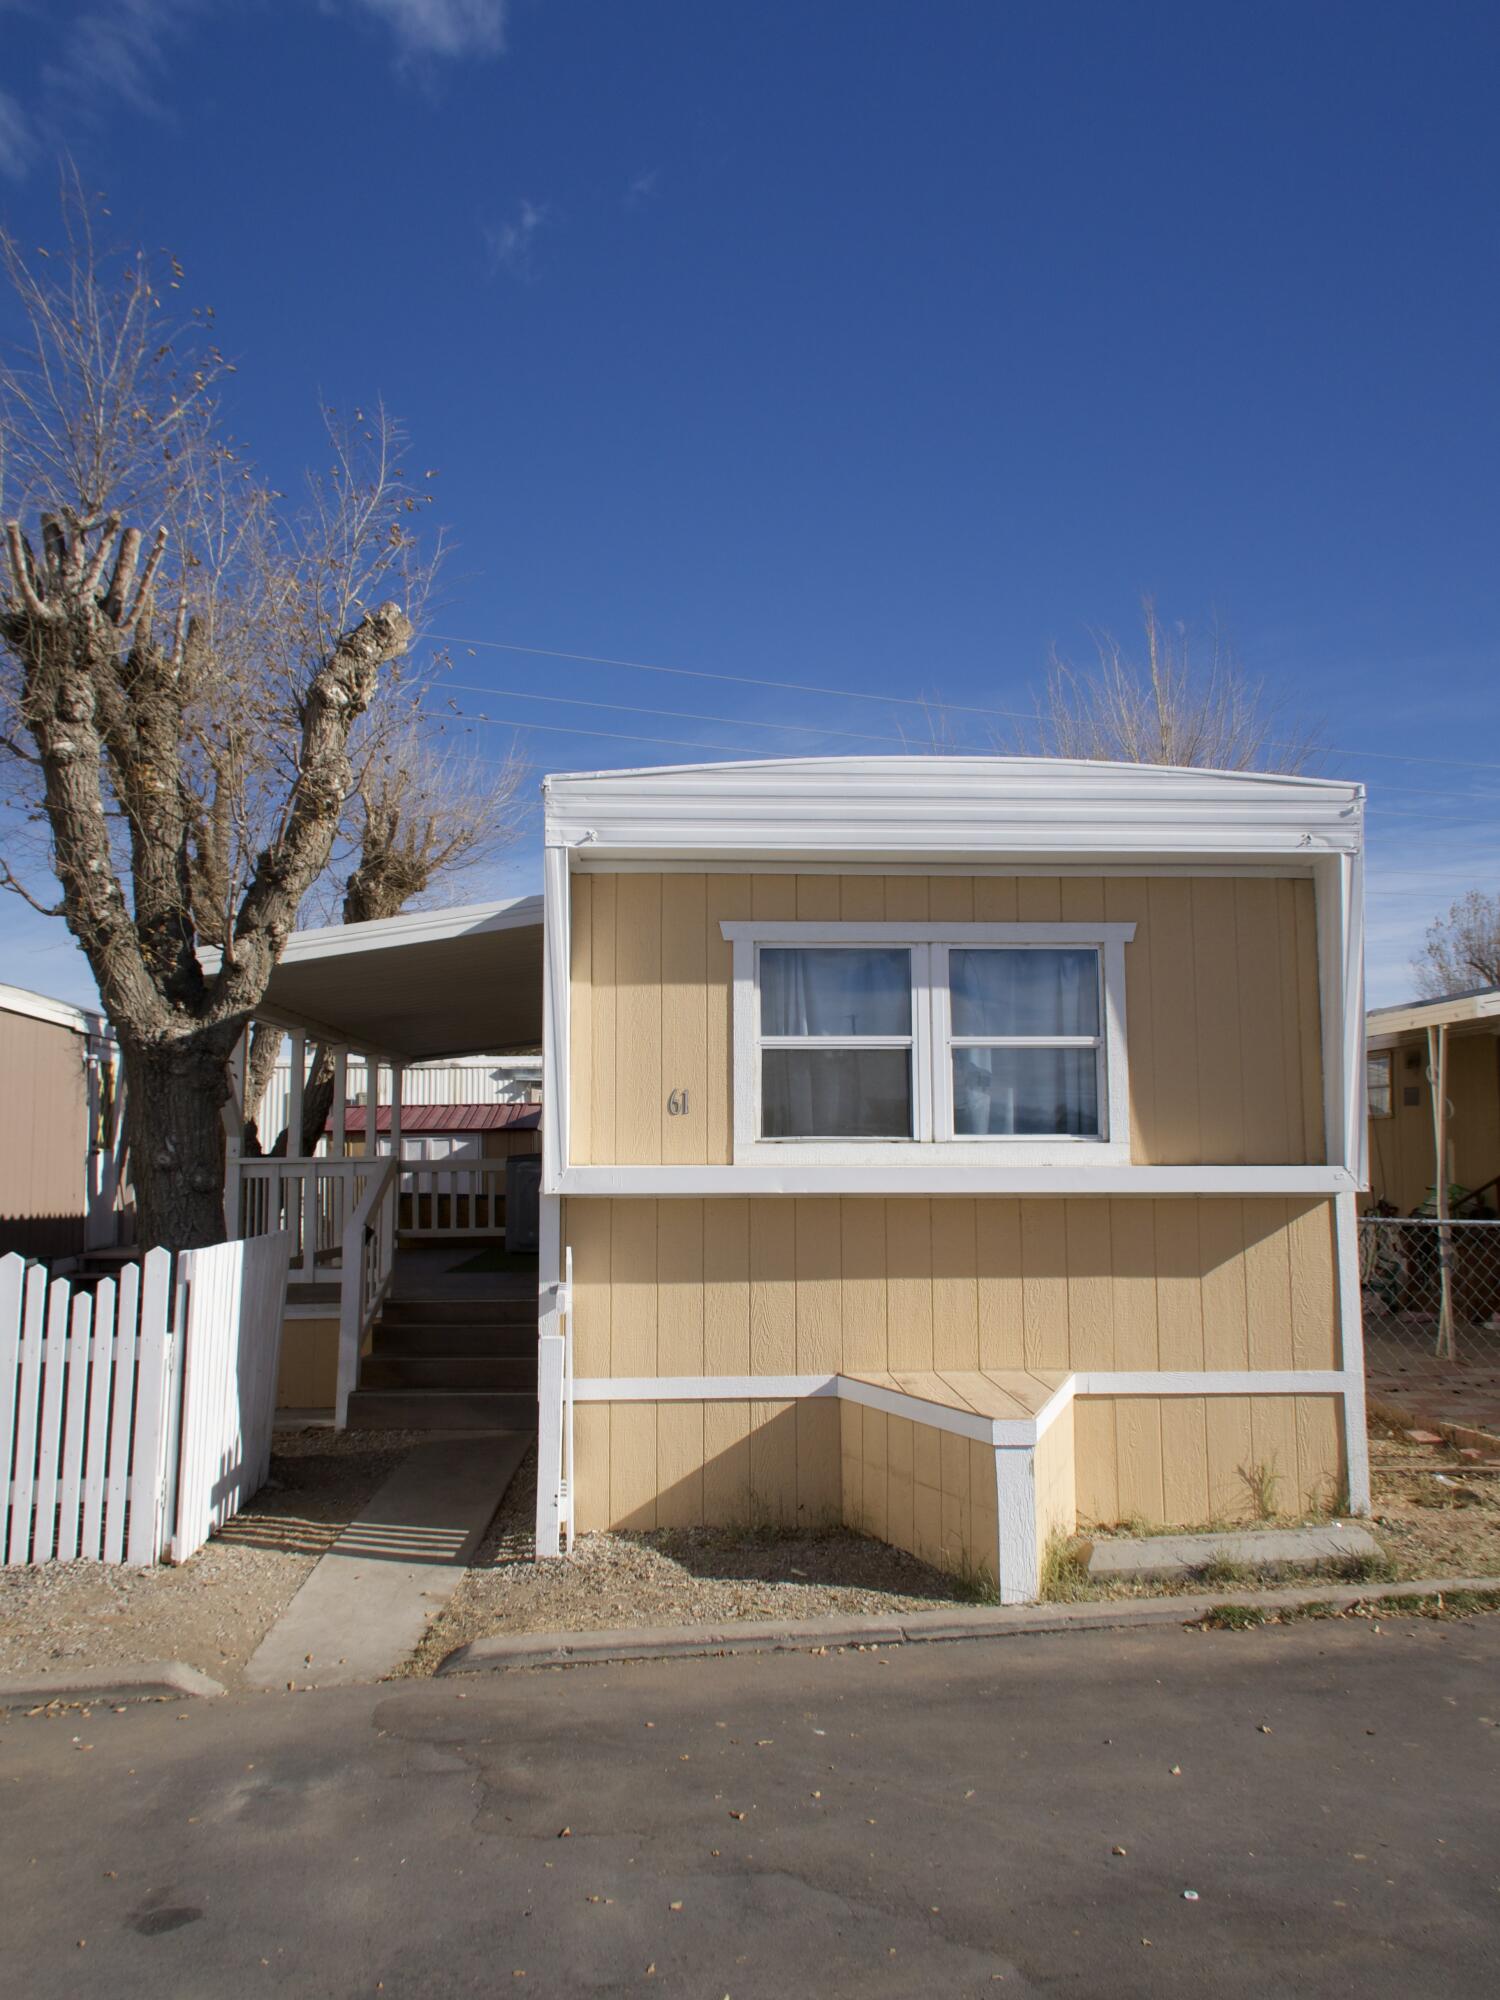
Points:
(498, 1341)
(449, 1371)
(460, 1312)
(440, 1410)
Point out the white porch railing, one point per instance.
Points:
(453, 1201)
(554, 1487)
(311, 1200)
(367, 1254)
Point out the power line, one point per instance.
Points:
(739, 680)
(866, 694)
(1460, 801)
(680, 714)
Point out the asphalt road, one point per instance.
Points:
(935, 1820)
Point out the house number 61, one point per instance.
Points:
(677, 1104)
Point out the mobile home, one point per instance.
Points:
(961, 1148)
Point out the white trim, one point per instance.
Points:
(557, 1014)
(417, 927)
(961, 1170)
(1016, 1554)
(1352, 1353)
(549, 1378)
(1072, 866)
(1006, 1431)
(1215, 1382)
(1384, 1026)
(919, 1409)
(57, 1013)
(932, 1144)
(702, 1388)
(953, 809)
(813, 932)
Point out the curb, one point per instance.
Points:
(159, 1680)
(504, 1652)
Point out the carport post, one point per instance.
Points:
(338, 1116)
(296, 1078)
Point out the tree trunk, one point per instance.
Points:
(317, 1099)
(265, 1049)
(175, 1092)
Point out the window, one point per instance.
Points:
(836, 1043)
(1002, 1041)
(1378, 1084)
(1025, 1042)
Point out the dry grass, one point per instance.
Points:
(1424, 1527)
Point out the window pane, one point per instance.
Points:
(1378, 1083)
(1035, 1092)
(836, 1094)
(1024, 992)
(828, 992)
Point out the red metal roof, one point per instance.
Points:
(451, 1118)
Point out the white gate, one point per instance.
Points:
(136, 1415)
(231, 1298)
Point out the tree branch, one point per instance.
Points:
(23, 569)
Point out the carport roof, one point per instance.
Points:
(417, 988)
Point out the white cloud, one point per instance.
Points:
(642, 187)
(15, 138)
(509, 243)
(443, 27)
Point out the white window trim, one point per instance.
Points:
(932, 1077)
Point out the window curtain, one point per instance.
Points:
(1013, 1092)
(845, 1093)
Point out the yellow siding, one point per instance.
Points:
(814, 1285)
(920, 1489)
(1221, 1002)
(309, 1373)
(1191, 1460)
(733, 1464)
(1402, 1167)
(1053, 1471)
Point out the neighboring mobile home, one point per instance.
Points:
(58, 1152)
(956, 1147)
(1407, 1048)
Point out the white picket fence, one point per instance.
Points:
(136, 1418)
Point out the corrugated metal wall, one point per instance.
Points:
(472, 1080)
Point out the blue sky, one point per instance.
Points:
(874, 346)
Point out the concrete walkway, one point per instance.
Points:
(369, 1600)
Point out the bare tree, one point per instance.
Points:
(1174, 706)
(1462, 950)
(422, 815)
(184, 661)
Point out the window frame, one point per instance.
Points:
(919, 1095)
(1388, 1057)
(933, 1142)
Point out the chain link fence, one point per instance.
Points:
(1430, 1289)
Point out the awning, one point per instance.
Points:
(417, 988)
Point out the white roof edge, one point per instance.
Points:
(60, 1013)
(418, 926)
(1341, 787)
(1456, 1007)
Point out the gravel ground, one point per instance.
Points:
(212, 1611)
(672, 1576)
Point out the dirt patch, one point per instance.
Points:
(673, 1576)
(213, 1611)
(1434, 1513)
